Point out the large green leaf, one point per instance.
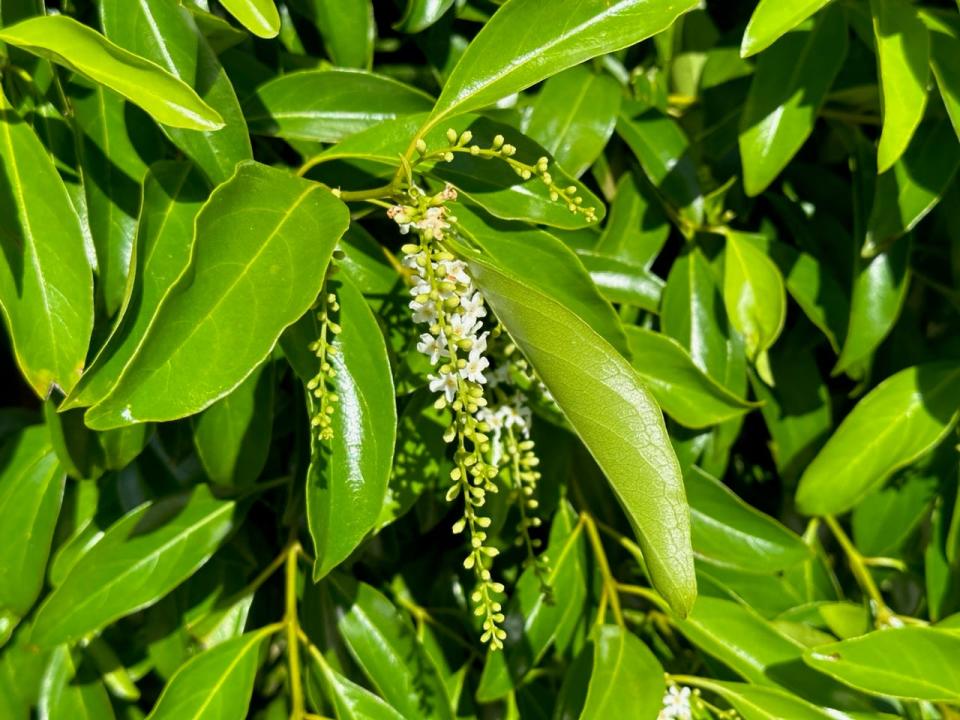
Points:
(46, 286)
(528, 40)
(898, 421)
(613, 413)
(622, 281)
(347, 28)
(548, 264)
(903, 56)
(84, 50)
(771, 19)
(684, 391)
(71, 690)
(945, 59)
(347, 480)
(383, 643)
(916, 663)
(790, 83)
(232, 436)
(329, 105)
(574, 116)
(421, 14)
(31, 488)
(637, 228)
(753, 292)
(172, 195)
(263, 241)
(167, 34)
(139, 559)
(258, 16)
(216, 684)
(625, 674)
(351, 701)
(728, 531)
(756, 702)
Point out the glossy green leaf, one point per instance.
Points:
(549, 265)
(664, 154)
(111, 148)
(212, 329)
(506, 57)
(69, 691)
(728, 531)
(771, 19)
(383, 643)
(790, 84)
(216, 684)
(258, 16)
(167, 34)
(613, 413)
(421, 14)
(945, 59)
(625, 674)
(31, 489)
(623, 282)
(46, 287)
(684, 391)
(915, 663)
(139, 559)
(879, 291)
(903, 56)
(574, 116)
(172, 195)
(536, 621)
(637, 228)
(347, 27)
(756, 702)
(883, 520)
(914, 185)
(895, 423)
(84, 50)
(348, 478)
(329, 105)
(232, 436)
(351, 701)
(753, 292)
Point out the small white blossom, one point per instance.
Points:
(463, 327)
(420, 287)
(424, 312)
(454, 271)
(500, 376)
(473, 370)
(445, 383)
(434, 223)
(435, 347)
(473, 306)
(676, 704)
(416, 261)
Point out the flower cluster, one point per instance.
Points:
(451, 310)
(676, 704)
(322, 384)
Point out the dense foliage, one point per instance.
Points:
(465, 359)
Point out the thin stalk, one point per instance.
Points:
(860, 571)
(292, 624)
(609, 582)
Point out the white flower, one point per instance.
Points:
(473, 306)
(463, 327)
(424, 312)
(473, 370)
(446, 383)
(434, 222)
(676, 704)
(435, 347)
(501, 375)
(415, 261)
(480, 344)
(454, 271)
(495, 423)
(421, 287)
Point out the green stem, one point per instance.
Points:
(860, 571)
(646, 594)
(293, 630)
(609, 582)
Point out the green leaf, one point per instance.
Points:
(85, 51)
(625, 674)
(574, 116)
(623, 282)
(945, 60)
(914, 663)
(384, 644)
(421, 14)
(113, 169)
(771, 19)
(172, 195)
(684, 391)
(232, 436)
(528, 40)
(637, 227)
(263, 234)
(756, 702)
(139, 559)
(69, 691)
(879, 291)
(903, 56)
(216, 684)
(728, 531)
(348, 477)
(613, 413)
(46, 286)
(258, 16)
(351, 701)
(894, 424)
(914, 185)
(167, 34)
(548, 264)
(347, 27)
(789, 86)
(664, 154)
(31, 489)
(753, 292)
(329, 105)
(884, 520)
(537, 621)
